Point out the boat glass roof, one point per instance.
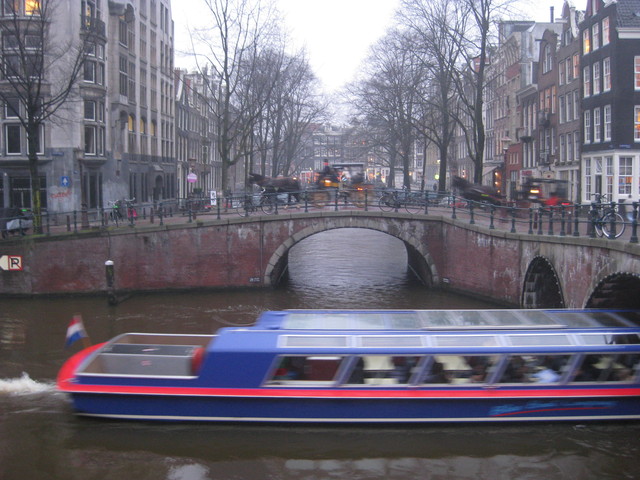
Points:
(446, 319)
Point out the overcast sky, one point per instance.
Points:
(337, 34)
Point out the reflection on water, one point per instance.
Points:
(41, 438)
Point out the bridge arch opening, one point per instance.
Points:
(418, 262)
(541, 286)
(619, 290)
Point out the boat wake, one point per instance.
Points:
(24, 386)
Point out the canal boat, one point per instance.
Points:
(360, 366)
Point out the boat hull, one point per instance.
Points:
(325, 408)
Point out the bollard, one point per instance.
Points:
(109, 272)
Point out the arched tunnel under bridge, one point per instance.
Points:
(417, 261)
(542, 289)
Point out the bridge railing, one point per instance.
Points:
(608, 220)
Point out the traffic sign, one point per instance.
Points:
(11, 263)
(65, 181)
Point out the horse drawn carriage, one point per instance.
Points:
(342, 184)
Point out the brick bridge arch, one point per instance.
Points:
(418, 257)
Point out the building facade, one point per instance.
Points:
(114, 136)
(610, 69)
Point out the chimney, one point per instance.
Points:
(552, 15)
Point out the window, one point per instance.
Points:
(32, 7)
(534, 368)
(587, 179)
(576, 104)
(11, 7)
(547, 66)
(576, 145)
(13, 136)
(586, 81)
(636, 125)
(606, 74)
(569, 147)
(605, 31)
(568, 67)
(607, 123)
(12, 108)
(563, 153)
(562, 79)
(124, 80)
(456, 369)
(89, 71)
(90, 139)
(625, 175)
(586, 44)
(607, 368)
(302, 369)
(89, 110)
(576, 66)
(587, 127)
(636, 72)
(562, 112)
(596, 125)
(569, 109)
(596, 78)
(595, 36)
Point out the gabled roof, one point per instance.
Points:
(628, 13)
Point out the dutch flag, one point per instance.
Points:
(75, 331)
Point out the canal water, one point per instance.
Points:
(40, 438)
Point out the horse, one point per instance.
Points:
(476, 193)
(289, 185)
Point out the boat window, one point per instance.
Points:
(391, 341)
(607, 368)
(316, 368)
(534, 368)
(383, 370)
(535, 340)
(315, 341)
(457, 369)
(466, 341)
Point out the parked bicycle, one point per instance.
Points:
(605, 218)
(412, 202)
(115, 213)
(252, 204)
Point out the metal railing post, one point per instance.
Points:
(612, 223)
(453, 210)
(634, 224)
(593, 214)
(540, 212)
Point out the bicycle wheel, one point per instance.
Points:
(617, 219)
(268, 204)
(245, 208)
(414, 205)
(387, 202)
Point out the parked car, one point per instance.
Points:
(14, 220)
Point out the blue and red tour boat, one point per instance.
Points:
(365, 366)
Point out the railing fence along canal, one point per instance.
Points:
(610, 220)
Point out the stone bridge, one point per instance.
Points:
(533, 271)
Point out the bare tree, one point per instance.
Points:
(387, 99)
(434, 28)
(230, 45)
(39, 72)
